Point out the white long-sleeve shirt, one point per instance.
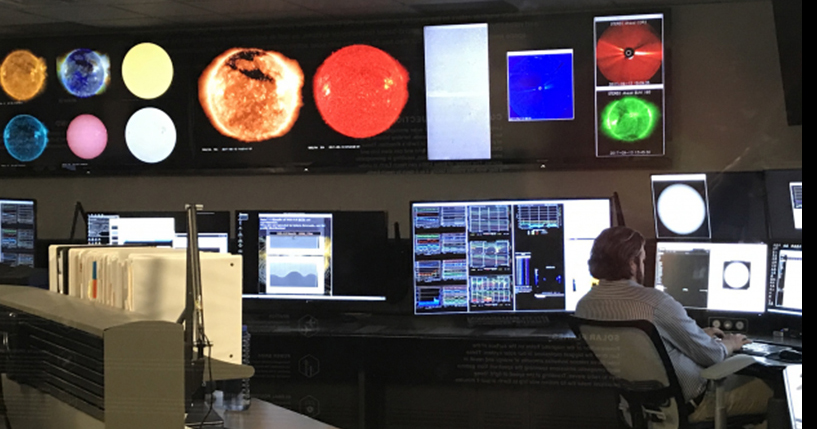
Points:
(689, 347)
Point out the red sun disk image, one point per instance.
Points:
(629, 53)
(360, 91)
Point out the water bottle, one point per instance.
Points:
(237, 392)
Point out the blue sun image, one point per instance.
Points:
(25, 138)
(84, 73)
(540, 86)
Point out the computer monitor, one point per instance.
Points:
(314, 256)
(714, 276)
(681, 207)
(476, 257)
(163, 229)
(784, 193)
(18, 231)
(785, 292)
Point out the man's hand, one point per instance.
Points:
(714, 332)
(734, 342)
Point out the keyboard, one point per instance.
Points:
(762, 349)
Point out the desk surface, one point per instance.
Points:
(264, 415)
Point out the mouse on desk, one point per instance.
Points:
(790, 355)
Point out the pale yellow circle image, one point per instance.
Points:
(22, 75)
(147, 71)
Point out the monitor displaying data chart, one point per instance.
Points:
(18, 231)
(313, 256)
(713, 276)
(162, 229)
(785, 293)
(784, 199)
(796, 192)
(504, 256)
(681, 207)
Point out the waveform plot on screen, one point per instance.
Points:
(491, 290)
(537, 217)
(293, 274)
(427, 217)
(360, 91)
(427, 271)
(490, 254)
(455, 269)
(252, 95)
(489, 219)
(454, 243)
(452, 217)
(427, 244)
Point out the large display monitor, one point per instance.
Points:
(681, 207)
(721, 207)
(504, 92)
(314, 256)
(714, 276)
(18, 231)
(785, 292)
(476, 257)
(164, 229)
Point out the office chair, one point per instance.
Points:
(646, 379)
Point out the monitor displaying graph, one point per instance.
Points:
(313, 256)
(504, 256)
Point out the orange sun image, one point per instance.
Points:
(252, 95)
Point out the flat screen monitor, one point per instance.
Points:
(163, 229)
(681, 207)
(722, 207)
(18, 231)
(714, 276)
(314, 256)
(784, 192)
(785, 293)
(508, 256)
(488, 91)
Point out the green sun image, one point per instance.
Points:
(630, 119)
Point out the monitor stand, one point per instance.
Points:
(198, 417)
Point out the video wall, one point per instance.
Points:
(553, 91)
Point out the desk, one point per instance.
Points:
(263, 415)
(409, 373)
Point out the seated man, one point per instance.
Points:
(617, 260)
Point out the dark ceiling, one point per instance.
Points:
(43, 17)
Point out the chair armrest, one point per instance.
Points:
(728, 367)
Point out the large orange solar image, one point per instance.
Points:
(360, 91)
(252, 95)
